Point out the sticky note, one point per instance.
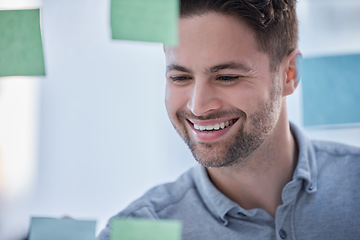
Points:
(331, 90)
(21, 52)
(143, 229)
(61, 229)
(145, 20)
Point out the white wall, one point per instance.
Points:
(104, 133)
(104, 136)
(18, 146)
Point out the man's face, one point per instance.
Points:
(221, 95)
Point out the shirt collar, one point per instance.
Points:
(217, 203)
(306, 168)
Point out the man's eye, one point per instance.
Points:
(227, 78)
(180, 78)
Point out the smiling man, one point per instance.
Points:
(228, 104)
(258, 177)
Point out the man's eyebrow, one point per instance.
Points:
(176, 67)
(231, 65)
(214, 69)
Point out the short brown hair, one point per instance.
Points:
(274, 22)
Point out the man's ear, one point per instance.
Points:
(290, 71)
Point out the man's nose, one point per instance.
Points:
(203, 99)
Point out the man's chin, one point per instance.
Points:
(215, 164)
(211, 160)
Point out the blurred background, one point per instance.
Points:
(93, 134)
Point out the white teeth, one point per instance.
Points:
(217, 126)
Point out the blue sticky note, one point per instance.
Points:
(145, 20)
(61, 229)
(331, 90)
(145, 229)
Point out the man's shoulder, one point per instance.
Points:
(160, 198)
(323, 148)
(337, 160)
(336, 149)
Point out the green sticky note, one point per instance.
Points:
(143, 229)
(21, 52)
(331, 90)
(61, 229)
(145, 20)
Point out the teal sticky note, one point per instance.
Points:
(61, 229)
(143, 229)
(331, 90)
(145, 20)
(21, 52)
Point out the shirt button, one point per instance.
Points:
(282, 234)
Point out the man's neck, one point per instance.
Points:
(259, 184)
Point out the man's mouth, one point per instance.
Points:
(214, 127)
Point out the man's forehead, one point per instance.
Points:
(186, 61)
(209, 46)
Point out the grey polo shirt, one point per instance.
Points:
(321, 202)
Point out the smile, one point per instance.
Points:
(215, 127)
